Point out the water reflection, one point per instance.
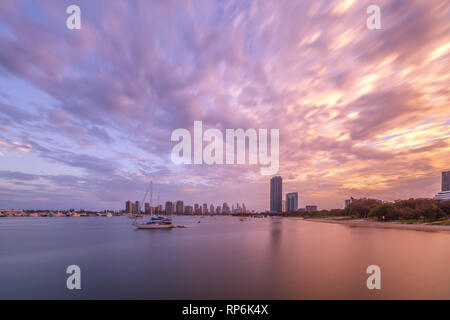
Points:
(219, 258)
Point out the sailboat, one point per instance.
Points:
(155, 222)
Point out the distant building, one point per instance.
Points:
(148, 209)
(137, 207)
(188, 210)
(211, 209)
(205, 208)
(445, 181)
(128, 207)
(443, 195)
(169, 207)
(311, 208)
(283, 205)
(292, 202)
(218, 209)
(225, 208)
(445, 187)
(348, 201)
(179, 207)
(276, 193)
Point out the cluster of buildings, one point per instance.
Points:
(444, 194)
(46, 213)
(290, 203)
(178, 207)
(277, 203)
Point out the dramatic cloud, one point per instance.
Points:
(87, 115)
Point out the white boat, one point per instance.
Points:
(153, 226)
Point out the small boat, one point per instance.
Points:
(156, 223)
(153, 226)
(106, 214)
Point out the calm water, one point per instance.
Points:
(219, 258)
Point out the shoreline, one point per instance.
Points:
(361, 223)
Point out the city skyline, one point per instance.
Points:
(87, 114)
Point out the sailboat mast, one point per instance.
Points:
(151, 193)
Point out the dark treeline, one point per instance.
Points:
(411, 209)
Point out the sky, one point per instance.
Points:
(86, 115)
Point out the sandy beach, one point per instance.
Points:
(361, 223)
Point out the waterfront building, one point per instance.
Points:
(225, 208)
(292, 202)
(188, 210)
(445, 187)
(348, 201)
(169, 207)
(283, 205)
(218, 210)
(128, 207)
(310, 208)
(179, 207)
(445, 180)
(205, 208)
(443, 195)
(211, 209)
(148, 209)
(137, 207)
(276, 192)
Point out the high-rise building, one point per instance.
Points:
(311, 208)
(283, 205)
(179, 207)
(196, 208)
(188, 210)
(276, 191)
(445, 188)
(128, 207)
(205, 208)
(148, 209)
(137, 207)
(292, 202)
(218, 209)
(225, 208)
(445, 181)
(169, 207)
(211, 209)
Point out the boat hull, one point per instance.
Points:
(154, 226)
